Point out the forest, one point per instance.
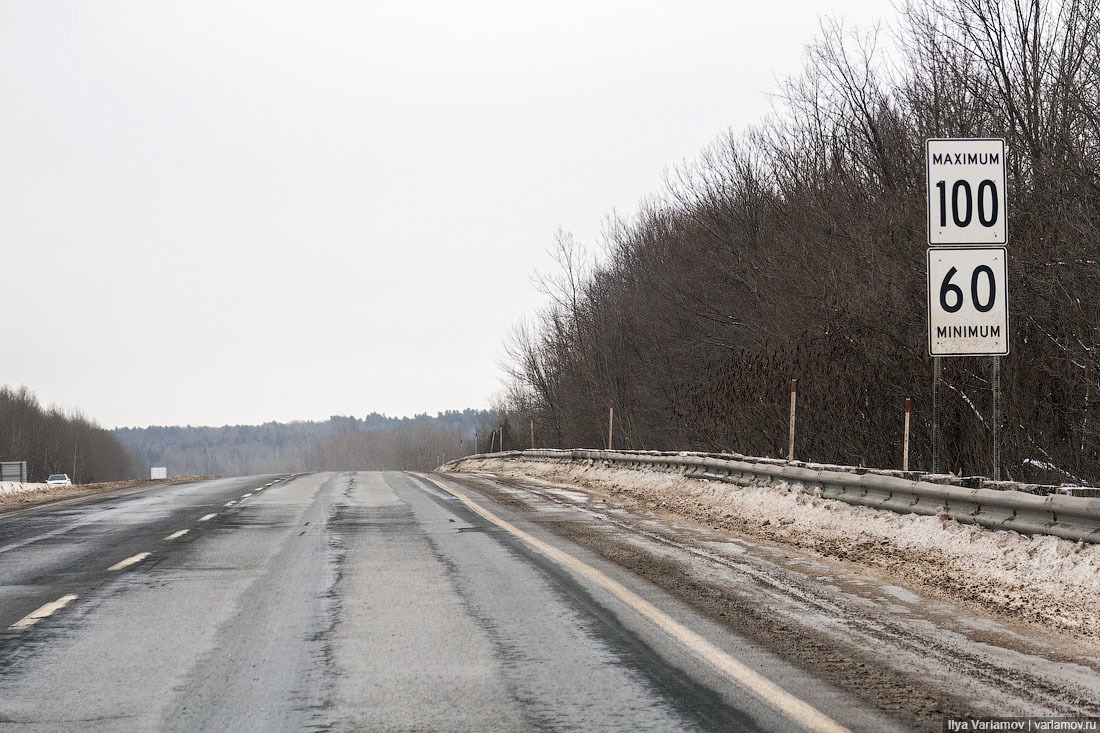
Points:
(57, 441)
(341, 443)
(797, 249)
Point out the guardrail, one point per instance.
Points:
(1069, 517)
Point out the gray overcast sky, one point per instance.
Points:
(230, 212)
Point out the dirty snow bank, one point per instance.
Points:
(13, 487)
(1040, 579)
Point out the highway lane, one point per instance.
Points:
(70, 546)
(374, 601)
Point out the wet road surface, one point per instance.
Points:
(392, 601)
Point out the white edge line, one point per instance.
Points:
(752, 681)
(45, 611)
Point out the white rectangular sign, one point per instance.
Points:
(156, 472)
(967, 301)
(967, 201)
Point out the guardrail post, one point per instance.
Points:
(905, 440)
(794, 398)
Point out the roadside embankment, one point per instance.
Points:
(15, 496)
(1040, 579)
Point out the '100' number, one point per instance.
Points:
(962, 203)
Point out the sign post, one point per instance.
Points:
(937, 373)
(967, 271)
(996, 418)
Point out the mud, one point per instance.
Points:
(1044, 581)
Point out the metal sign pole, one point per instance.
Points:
(996, 418)
(937, 375)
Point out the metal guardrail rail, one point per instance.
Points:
(1069, 517)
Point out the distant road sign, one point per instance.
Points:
(967, 301)
(966, 191)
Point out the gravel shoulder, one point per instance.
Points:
(1039, 580)
(876, 625)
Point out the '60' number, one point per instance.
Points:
(949, 290)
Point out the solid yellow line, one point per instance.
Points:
(208, 517)
(47, 610)
(757, 684)
(174, 535)
(129, 561)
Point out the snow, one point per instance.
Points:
(1036, 578)
(14, 487)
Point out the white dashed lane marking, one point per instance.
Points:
(129, 561)
(230, 503)
(48, 610)
(174, 535)
(208, 517)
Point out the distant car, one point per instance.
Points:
(59, 479)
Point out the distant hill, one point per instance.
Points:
(375, 442)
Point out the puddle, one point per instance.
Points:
(574, 496)
(901, 593)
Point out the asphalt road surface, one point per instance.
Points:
(393, 601)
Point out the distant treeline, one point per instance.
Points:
(798, 250)
(375, 442)
(54, 441)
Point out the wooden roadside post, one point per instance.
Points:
(790, 441)
(610, 423)
(905, 440)
(532, 433)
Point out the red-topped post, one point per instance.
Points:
(794, 399)
(905, 440)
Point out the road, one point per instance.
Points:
(397, 601)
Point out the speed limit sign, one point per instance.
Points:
(966, 191)
(967, 301)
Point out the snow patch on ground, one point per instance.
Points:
(1038, 579)
(13, 487)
